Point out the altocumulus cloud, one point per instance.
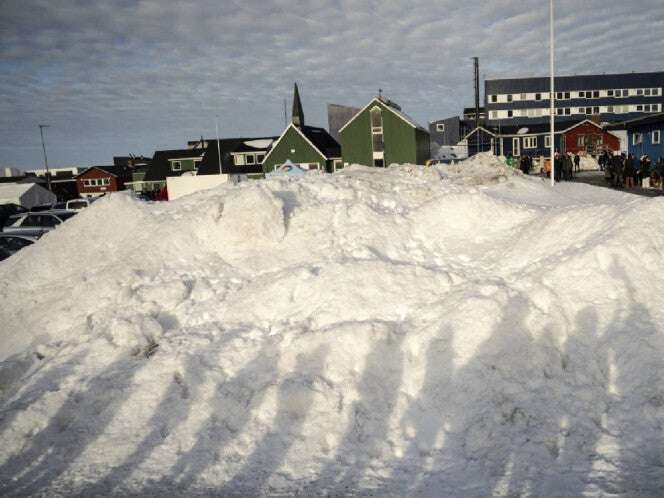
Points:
(119, 76)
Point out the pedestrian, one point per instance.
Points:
(629, 172)
(557, 166)
(568, 167)
(577, 162)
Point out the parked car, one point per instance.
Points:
(36, 224)
(77, 204)
(7, 210)
(11, 244)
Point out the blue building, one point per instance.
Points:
(607, 98)
(645, 136)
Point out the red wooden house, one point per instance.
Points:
(99, 180)
(590, 137)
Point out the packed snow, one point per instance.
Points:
(459, 330)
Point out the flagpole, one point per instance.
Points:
(552, 96)
(216, 127)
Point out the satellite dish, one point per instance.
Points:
(522, 131)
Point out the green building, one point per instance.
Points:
(309, 147)
(381, 134)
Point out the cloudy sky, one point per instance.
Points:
(113, 77)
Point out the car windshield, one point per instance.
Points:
(77, 204)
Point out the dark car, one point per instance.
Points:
(36, 224)
(10, 244)
(7, 210)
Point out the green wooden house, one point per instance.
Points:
(309, 147)
(380, 134)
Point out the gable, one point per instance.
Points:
(292, 139)
(375, 101)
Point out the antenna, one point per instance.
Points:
(48, 175)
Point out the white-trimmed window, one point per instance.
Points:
(106, 181)
(639, 108)
(176, 165)
(493, 114)
(494, 98)
(637, 138)
(655, 91)
(440, 127)
(547, 141)
(509, 97)
(656, 137)
(250, 159)
(529, 142)
(197, 163)
(259, 158)
(238, 160)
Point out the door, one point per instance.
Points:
(516, 146)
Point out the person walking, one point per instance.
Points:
(577, 162)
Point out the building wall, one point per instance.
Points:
(292, 146)
(572, 136)
(603, 85)
(403, 144)
(539, 150)
(186, 165)
(654, 151)
(115, 183)
(450, 136)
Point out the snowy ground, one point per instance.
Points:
(451, 331)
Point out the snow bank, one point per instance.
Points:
(452, 331)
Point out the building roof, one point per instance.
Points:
(575, 82)
(117, 171)
(322, 140)
(647, 120)
(229, 146)
(391, 106)
(160, 167)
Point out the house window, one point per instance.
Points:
(529, 142)
(655, 108)
(107, 181)
(625, 93)
(639, 108)
(609, 109)
(238, 160)
(440, 127)
(559, 95)
(588, 110)
(596, 94)
(377, 130)
(656, 137)
(609, 93)
(509, 97)
(595, 110)
(647, 91)
(250, 159)
(538, 96)
(568, 111)
(637, 139)
(197, 163)
(559, 111)
(176, 166)
(494, 98)
(547, 141)
(510, 114)
(259, 158)
(639, 91)
(494, 114)
(655, 91)
(582, 95)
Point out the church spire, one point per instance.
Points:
(298, 114)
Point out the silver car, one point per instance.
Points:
(35, 224)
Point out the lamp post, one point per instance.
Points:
(216, 127)
(552, 96)
(48, 175)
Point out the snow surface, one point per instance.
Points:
(454, 331)
(259, 144)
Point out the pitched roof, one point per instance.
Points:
(118, 171)
(298, 112)
(655, 118)
(392, 107)
(322, 140)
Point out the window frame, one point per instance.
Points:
(529, 142)
(179, 165)
(658, 134)
(440, 127)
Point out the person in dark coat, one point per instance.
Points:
(616, 166)
(644, 169)
(577, 163)
(558, 167)
(629, 172)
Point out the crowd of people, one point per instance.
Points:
(622, 171)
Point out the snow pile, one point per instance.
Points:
(450, 331)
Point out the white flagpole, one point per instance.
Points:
(216, 126)
(552, 96)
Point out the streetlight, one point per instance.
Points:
(552, 96)
(48, 175)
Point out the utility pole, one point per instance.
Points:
(48, 175)
(216, 127)
(552, 96)
(476, 79)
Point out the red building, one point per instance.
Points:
(588, 136)
(99, 180)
